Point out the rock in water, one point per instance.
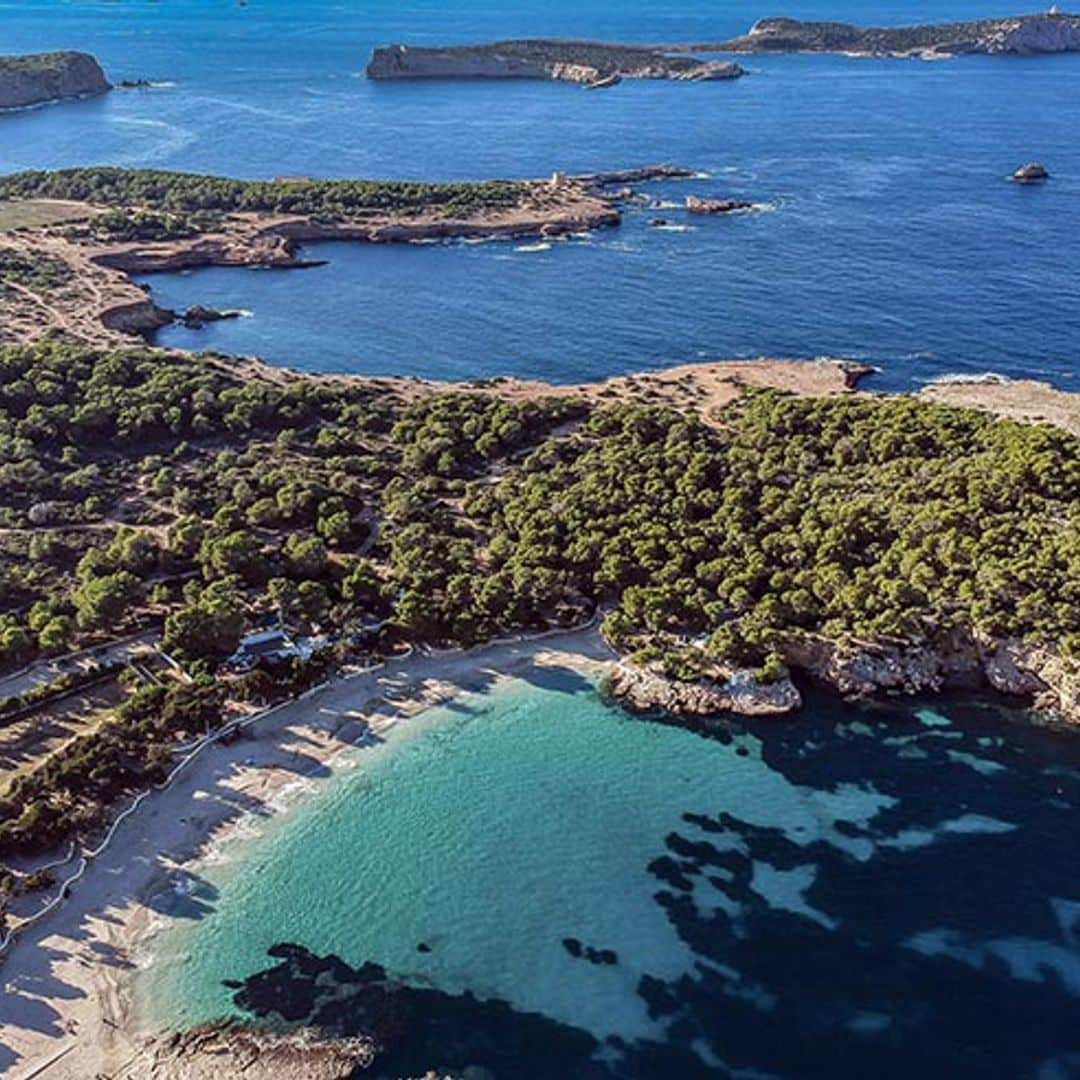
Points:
(198, 316)
(1031, 173)
(715, 206)
(41, 77)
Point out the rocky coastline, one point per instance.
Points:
(103, 305)
(1021, 35)
(862, 670)
(647, 689)
(227, 1050)
(590, 64)
(40, 78)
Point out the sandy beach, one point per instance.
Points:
(67, 1010)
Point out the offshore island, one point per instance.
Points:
(1019, 35)
(40, 78)
(592, 64)
(596, 64)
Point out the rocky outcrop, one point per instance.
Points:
(1050, 680)
(141, 318)
(646, 689)
(962, 659)
(1023, 35)
(864, 669)
(1031, 173)
(43, 77)
(197, 316)
(227, 1052)
(587, 63)
(698, 205)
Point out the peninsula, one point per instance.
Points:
(587, 63)
(1020, 35)
(69, 239)
(39, 78)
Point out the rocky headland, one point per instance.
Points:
(736, 690)
(587, 63)
(44, 77)
(962, 659)
(1021, 35)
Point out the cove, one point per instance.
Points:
(874, 889)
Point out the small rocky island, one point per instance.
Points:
(587, 63)
(1022, 35)
(43, 77)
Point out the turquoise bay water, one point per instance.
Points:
(858, 892)
(892, 235)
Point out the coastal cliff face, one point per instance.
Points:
(1008, 665)
(583, 62)
(42, 77)
(1019, 35)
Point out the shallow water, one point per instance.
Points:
(860, 891)
(894, 236)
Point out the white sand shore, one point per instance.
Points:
(66, 1012)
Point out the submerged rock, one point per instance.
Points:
(228, 1052)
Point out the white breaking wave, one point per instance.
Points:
(954, 377)
(542, 246)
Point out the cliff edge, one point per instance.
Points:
(41, 77)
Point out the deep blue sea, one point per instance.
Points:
(891, 236)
